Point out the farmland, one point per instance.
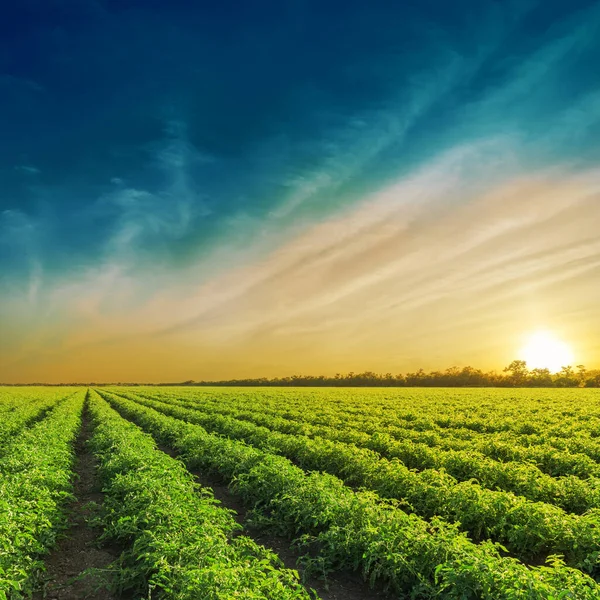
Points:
(371, 493)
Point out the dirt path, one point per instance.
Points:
(78, 550)
(343, 585)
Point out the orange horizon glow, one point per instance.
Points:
(367, 291)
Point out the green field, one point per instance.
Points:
(425, 493)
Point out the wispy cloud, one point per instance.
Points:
(144, 219)
(20, 239)
(12, 82)
(405, 268)
(29, 169)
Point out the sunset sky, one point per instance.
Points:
(205, 190)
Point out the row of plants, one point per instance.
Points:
(21, 412)
(12, 398)
(524, 479)
(480, 411)
(180, 544)
(341, 528)
(529, 530)
(35, 484)
(571, 453)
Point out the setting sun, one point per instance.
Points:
(543, 350)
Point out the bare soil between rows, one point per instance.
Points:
(78, 550)
(341, 585)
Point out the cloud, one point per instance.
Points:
(20, 238)
(347, 150)
(528, 94)
(146, 222)
(29, 169)
(11, 82)
(146, 217)
(377, 287)
(412, 243)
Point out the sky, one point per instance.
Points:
(207, 190)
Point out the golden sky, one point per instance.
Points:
(406, 279)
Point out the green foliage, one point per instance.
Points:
(528, 529)
(180, 543)
(341, 528)
(519, 476)
(20, 407)
(35, 483)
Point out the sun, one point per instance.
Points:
(543, 350)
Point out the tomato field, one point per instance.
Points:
(396, 493)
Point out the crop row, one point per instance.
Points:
(529, 530)
(358, 530)
(180, 543)
(524, 479)
(35, 482)
(19, 415)
(519, 413)
(555, 456)
(12, 398)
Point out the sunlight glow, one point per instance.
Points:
(544, 351)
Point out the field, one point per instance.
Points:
(222, 493)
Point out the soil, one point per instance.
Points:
(78, 550)
(341, 585)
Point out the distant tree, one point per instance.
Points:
(541, 378)
(592, 379)
(518, 372)
(566, 377)
(515, 375)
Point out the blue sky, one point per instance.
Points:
(168, 145)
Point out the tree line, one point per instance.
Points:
(517, 374)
